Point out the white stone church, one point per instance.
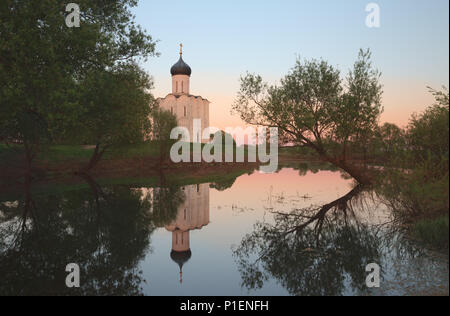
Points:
(185, 106)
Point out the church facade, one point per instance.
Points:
(182, 104)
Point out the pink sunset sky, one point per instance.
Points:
(224, 39)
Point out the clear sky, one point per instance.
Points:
(224, 39)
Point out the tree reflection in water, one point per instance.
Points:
(106, 230)
(313, 251)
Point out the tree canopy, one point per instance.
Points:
(116, 108)
(314, 106)
(43, 63)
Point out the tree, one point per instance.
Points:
(416, 181)
(313, 107)
(42, 62)
(428, 132)
(388, 141)
(224, 138)
(116, 109)
(163, 123)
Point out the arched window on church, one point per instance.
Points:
(185, 112)
(176, 87)
(182, 86)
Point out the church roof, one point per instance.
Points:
(177, 96)
(181, 68)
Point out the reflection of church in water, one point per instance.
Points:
(192, 214)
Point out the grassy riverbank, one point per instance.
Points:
(129, 161)
(140, 165)
(434, 232)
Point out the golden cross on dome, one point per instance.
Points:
(181, 49)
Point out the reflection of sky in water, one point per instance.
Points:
(206, 236)
(212, 270)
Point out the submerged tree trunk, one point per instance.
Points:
(359, 174)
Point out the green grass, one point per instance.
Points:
(434, 232)
(59, 153)
(147, 149)
(55, 153)
(62, 153)
(70, 153)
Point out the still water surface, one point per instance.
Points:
(226, 238)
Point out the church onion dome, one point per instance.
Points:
(181, 68)
(181, 257)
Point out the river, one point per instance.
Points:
(261, 234)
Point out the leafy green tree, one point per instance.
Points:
(416, 181)
(117, 107)
(42, 62)
(428, 132)
(393, 137)
(163, 123)
(388, 141)
(224, 137)
(313, 107)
